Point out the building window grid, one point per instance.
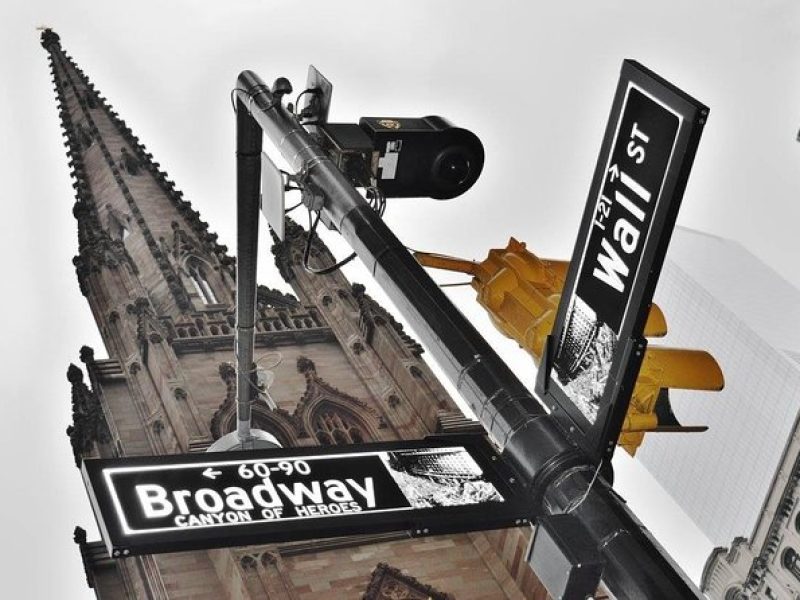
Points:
(744, 372)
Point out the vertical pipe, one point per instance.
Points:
(248, 180)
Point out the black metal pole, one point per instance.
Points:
(249, 139)
(555, 473)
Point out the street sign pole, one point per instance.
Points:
(557, 476)
(248, 161)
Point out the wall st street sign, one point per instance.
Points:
(168, 503)
(597, 346)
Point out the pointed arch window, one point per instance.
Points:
(335, 427)
(118, 223)
(197, 274)
(128, 162)
(85, 136)
(91, 101)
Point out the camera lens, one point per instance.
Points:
(453, 168)
(419, 158)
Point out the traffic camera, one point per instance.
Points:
(400, 156)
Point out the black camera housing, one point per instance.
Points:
(406, 157)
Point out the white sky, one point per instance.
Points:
(534, 80)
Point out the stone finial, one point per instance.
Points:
(227, 372)
(79, 535)
(306, 365)
(49, 39)
(74, 374)
(87, 354)
(88, 422)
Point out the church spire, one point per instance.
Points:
(128, 211)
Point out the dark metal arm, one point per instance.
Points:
(555, 473)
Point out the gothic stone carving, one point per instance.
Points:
(148, 329)
(268, 297)
(317, 389)
(289, 427)
(372, 314)
(79, 537)
(389, 583)
(86, 354)
(88, 422)
(129, 163)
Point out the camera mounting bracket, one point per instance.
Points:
(316, 98)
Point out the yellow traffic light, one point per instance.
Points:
(662, 369)
(521, 292)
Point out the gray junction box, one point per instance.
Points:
(564, 558)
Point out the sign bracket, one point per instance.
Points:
(545, 365)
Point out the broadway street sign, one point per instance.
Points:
(597, 346)
(180, 502)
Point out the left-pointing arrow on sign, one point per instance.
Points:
(211, 473)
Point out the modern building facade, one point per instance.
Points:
(739, 480)
(161, 290)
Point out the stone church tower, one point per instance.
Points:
(161, 291)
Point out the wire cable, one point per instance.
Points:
(377, 202)
(299, 115)
(274, 354)
(233, 91)
(254, 370)
(251, 93)
(312, 228)
(376, 199)
(588, 489)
